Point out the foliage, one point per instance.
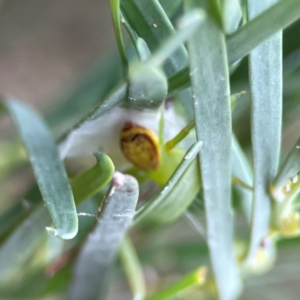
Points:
(168, 129)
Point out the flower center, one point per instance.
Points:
(140, 146)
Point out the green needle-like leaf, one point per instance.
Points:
(83, 186)
(241, 169)
(102, 244)
(115, 10)
(177, 194)
(152, 24)
(48, 168)
(31, 229)
(289, 168)
(276, 18)
(210, 85)
(266, 111)
(188, 283)
(189, 24)
(262, 25)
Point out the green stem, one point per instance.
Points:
(180, 136)
(133, 269)
(187, 284)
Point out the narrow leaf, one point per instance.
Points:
(266, 111)
(115, 10)
(83, 187)
(277, 17)
(48, 168)
(289, 168)
(210, 85)
(241, 169)
(262, 26)
(177, 194)
(102, 244)
(152, 24)
(143, 77)
(115, 98)
(187, 284)
(22, 243)
(26, 236)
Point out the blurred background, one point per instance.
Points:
(45, 46)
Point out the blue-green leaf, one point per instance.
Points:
(211, 93)
(239, 44)
(115, 10)
(232, 15)
(266, 112)
(177, 194)
(100, 249)
(262, 25)
(21, 244)
(48, 168)
(152, 24)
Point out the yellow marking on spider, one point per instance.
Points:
(140, 146)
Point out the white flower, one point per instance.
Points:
(103, 134)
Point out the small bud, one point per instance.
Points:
(290, 225)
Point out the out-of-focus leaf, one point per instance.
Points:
(177, 194)
(102, 244)
(83, 186)
(24, 240)
(277, 17)
(232, 14)
(266, 112)
(188, 283)
(289, 168)
(133, 269)
(12, 156)
(211, 93)
(262, 25)
(151, 23)
(115, 10)
(48, 168)
(241, 169)
(31, 229)
(170, 6)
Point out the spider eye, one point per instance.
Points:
(140, 146)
